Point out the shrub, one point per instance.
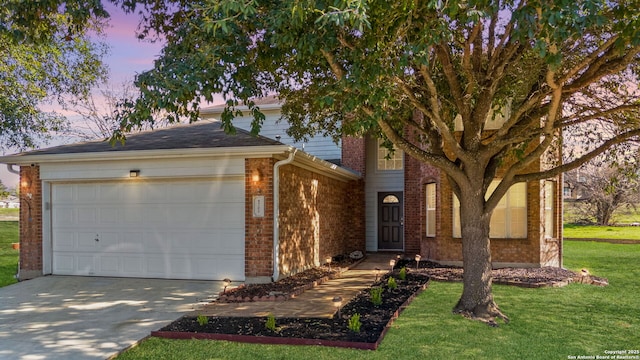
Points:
(376, 296)
(402, 275)
(203, 320)
(271, 323)
(391, 283)
(354, 322)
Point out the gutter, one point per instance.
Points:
(276, 212)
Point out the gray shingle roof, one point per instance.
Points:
(200, 135)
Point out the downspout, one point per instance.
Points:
(12, 170)
(276, 212)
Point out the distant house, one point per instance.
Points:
(10, 202)
(191, 202)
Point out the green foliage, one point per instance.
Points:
(270, 324)
(376, 295)
(427, 76)
(391, 283)
(47, 57)
(9, 233)
(402, 275)
(354, 323)
(202, 320)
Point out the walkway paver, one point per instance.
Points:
(316, 302)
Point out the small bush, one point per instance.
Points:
(354, 322)
(376, 296)
(203, 320)
(391, 283)
(402, 275)
(271, 323)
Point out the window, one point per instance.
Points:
(549, 216)
(431, 209)
(509, 219)
(388, 160)
(390, 199)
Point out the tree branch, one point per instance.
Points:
(580, 161)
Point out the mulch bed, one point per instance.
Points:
(375, 321)
(335, 331)
(523, 277)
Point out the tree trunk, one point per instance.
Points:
(477, 298)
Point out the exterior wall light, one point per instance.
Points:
(134, 173)
(256, 176)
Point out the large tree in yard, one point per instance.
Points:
(424, 75)
(47, 58)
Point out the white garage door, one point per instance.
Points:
(171, 230)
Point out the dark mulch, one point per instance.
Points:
(524, 277)
(374, 319)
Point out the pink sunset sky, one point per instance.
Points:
(126, 57)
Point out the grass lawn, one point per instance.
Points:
(546, 323)
(9, 233)
(601, 232)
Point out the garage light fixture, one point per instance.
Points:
(134, 173)
(256, 176)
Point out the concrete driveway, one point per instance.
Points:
(73, 317)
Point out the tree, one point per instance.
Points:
(47, 57)
(408, 71)
(98, 113)
(4, 192)
(605, 188)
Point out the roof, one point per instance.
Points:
(199, 135)
(204, 138)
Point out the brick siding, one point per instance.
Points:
(319, 217)
(259, 230)
(30, 222)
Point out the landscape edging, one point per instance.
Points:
(293, 341)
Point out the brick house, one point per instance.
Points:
(191, 202)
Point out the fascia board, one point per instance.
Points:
(247, 152)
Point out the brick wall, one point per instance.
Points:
(532, 251)
(259, 230)
(354, 154)
(30, 222)
(318, 218)
(417, 176)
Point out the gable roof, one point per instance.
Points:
(200, 135)
(193, 136)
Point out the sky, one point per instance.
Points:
(127, 56)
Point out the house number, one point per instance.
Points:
(258, 206)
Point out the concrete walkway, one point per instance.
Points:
(316, 302)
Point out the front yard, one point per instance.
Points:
(547, 323)
(9, 231)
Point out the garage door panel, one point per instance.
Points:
(109, 265)
(65, 264)
(187, 229)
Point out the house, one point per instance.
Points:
(191, 202)
(410, 207)
(10, 202)
(188, 202)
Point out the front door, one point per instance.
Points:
(390, 221)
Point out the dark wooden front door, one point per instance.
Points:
(390, 221)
